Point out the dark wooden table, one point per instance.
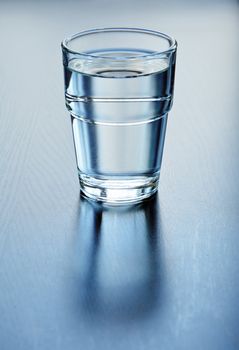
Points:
(160, 275)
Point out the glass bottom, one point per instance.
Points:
(119, 191)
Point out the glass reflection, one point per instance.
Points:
(118, 260)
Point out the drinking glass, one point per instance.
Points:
(119, 89)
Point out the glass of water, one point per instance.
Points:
(119, 89)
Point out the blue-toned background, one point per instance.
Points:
(162, 275)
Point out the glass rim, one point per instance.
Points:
(171, 40)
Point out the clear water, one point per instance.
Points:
(119, 113)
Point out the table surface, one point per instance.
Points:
(160, 275)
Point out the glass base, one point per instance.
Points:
(119, 191)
